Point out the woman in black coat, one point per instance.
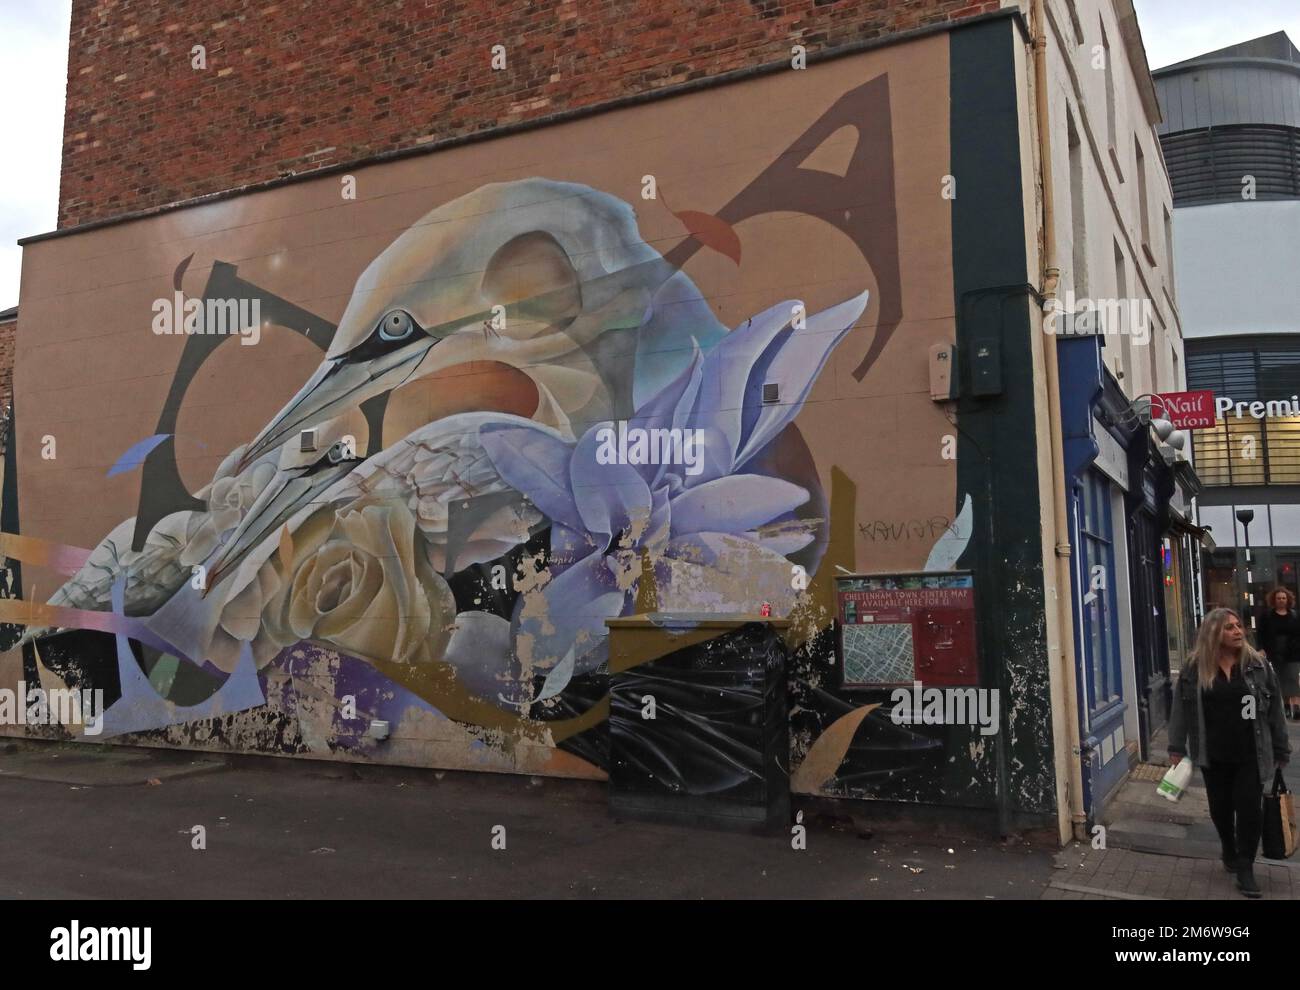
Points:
(1227, 719)
(1279, 640)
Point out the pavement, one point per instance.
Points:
(292, 829)
(1155, 849)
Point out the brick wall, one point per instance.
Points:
(8, 333)
(301, 84)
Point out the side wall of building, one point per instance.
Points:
(459, 328)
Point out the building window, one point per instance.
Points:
(1112, 131)
(1073, 7)
(1122, 330)
(1156, 332)
(1206, 165)
(1249, 449)
(1169, 248)
(1100, 605)
(1078, 219)
(1144, 209)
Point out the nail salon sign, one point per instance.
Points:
(1186, 410)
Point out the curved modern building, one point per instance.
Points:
(1231, 138)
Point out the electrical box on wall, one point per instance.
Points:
(986, 366)
(943, 372)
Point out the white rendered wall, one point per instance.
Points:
(1238, 267)
(1111, 201)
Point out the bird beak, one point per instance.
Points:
(337, 386)
(278, 504)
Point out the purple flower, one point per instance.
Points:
(714, 532)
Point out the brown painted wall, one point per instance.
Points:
(292, 87)
(8, 335)
(97, 377)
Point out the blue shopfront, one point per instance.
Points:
(1118, 490)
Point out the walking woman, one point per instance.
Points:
(1227, 719)
(1279, 639)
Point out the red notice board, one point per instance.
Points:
(899, 628)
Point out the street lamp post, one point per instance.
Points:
(1244, 516)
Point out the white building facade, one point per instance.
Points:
(1127, 494)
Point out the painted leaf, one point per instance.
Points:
(534, 460)
(827, 753)
(178, 276)
(136, 454)
(558, 679)
(952, 544)
(712, 232)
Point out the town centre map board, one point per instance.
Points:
(899, 628)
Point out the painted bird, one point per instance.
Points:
(549, 278)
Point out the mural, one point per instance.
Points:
(549, 400)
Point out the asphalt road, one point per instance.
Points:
(292, 830)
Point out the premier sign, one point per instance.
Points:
(1258, 410)
(1188, 410)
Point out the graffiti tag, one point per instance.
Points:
(884, 531)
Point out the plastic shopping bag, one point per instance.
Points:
(1174, 784)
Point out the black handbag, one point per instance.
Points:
(1279, 821)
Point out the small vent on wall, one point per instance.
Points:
(771, 392)
(307, 440)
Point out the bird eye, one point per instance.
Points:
(396, 325)
(395, 331)
(335, 453)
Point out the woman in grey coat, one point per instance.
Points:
(1227, 719)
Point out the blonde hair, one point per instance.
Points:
(1209, 639)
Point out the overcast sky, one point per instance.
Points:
(34, 60)
(1173, 30)
(33, 79)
